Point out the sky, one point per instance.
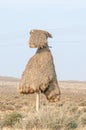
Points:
(64, 19)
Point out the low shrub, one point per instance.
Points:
(72, 125)
(11, 119)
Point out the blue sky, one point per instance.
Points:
(64, 19)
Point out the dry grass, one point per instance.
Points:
(17, 112)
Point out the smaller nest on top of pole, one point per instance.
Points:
(38, 38)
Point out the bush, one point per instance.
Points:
(72, 125)
(83, 121)
(11, 119)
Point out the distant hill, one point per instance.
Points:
(11, 79)
(14, 79)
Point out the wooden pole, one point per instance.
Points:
(37, 101)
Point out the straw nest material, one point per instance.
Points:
(38, 38)
(39, 75)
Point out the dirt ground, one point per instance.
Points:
(11, 100)
(70, 91)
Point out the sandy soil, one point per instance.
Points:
(11, 100)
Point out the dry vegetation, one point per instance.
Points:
(17, 111)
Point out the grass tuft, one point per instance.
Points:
(72, 125)
(11, 119)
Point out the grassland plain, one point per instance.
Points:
(17, 111)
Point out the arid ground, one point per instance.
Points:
(17, 111)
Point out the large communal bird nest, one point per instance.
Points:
(39, 74)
